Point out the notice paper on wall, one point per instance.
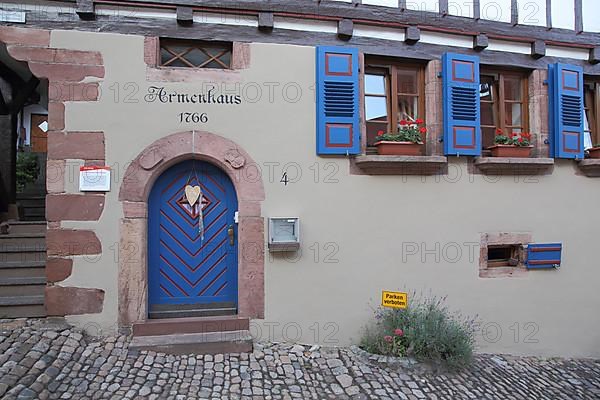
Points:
(94, 179)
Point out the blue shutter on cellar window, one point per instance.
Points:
(565, 86)
(338, 128)
(544, 256)
(462, 127)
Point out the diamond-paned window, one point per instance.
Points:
(195, 54)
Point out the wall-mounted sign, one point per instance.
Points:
(394, 299)
(94, 179)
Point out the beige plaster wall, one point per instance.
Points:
(362, 222)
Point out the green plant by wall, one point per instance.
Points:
(426, 330)
(28, 169)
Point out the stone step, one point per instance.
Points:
(23, 311)
(171, 326)
(38, 225)
(33, 214)
(15, 289)
(196, 343)
(29, 238)
(22, 253)
(26, 269)
(21, 300)
(23, 281)
(31, 196)
(22, 264)
(32, 203)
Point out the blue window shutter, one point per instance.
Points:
(462, 120)
(544, 256)
(565, 86)
(338, 128)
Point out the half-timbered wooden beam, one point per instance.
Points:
(384, 16)
(443, 7)
(476, 9)
(514, 12)
(579, 16)
(420, 51)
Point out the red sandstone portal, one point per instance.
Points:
(135, 188)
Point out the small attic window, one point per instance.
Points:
(195, 54)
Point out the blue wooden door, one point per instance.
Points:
(191, 275)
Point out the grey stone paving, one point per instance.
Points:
(41, 361)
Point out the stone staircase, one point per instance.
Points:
(22, 270)
(197, 335)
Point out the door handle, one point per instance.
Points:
(231, 234)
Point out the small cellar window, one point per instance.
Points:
(504, 256)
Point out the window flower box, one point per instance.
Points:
(408, 141)
(508, 150)
(390, 148)
(517, 145)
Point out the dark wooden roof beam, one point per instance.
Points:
(595, 55)
(538, 49)
(85, 10)
(345, 29)
(480, 42)
(185, 16)
(265, 21)
(412, 35)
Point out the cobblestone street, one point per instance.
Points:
(49, 361)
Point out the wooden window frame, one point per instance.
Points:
(202, 45)
(389, 66)
(594, 122)
(499, 104)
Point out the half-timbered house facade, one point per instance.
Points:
(212, 170)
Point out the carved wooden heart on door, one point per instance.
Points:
(192, 194)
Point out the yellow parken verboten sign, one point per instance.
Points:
(394, 299)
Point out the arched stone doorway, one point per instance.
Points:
(135, 189)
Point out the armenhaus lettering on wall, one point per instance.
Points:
(435, 147)
(159, 94)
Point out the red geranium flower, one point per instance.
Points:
(419, 121)
(403, 122)
(499, 131)
(388, 338)
(423, 130)
(379, 133)
(398, 332)
(520, 140)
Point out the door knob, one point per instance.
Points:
(231, 234)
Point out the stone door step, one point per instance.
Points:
(196, 343)
(172, 326)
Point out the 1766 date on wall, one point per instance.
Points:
(158, 94)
